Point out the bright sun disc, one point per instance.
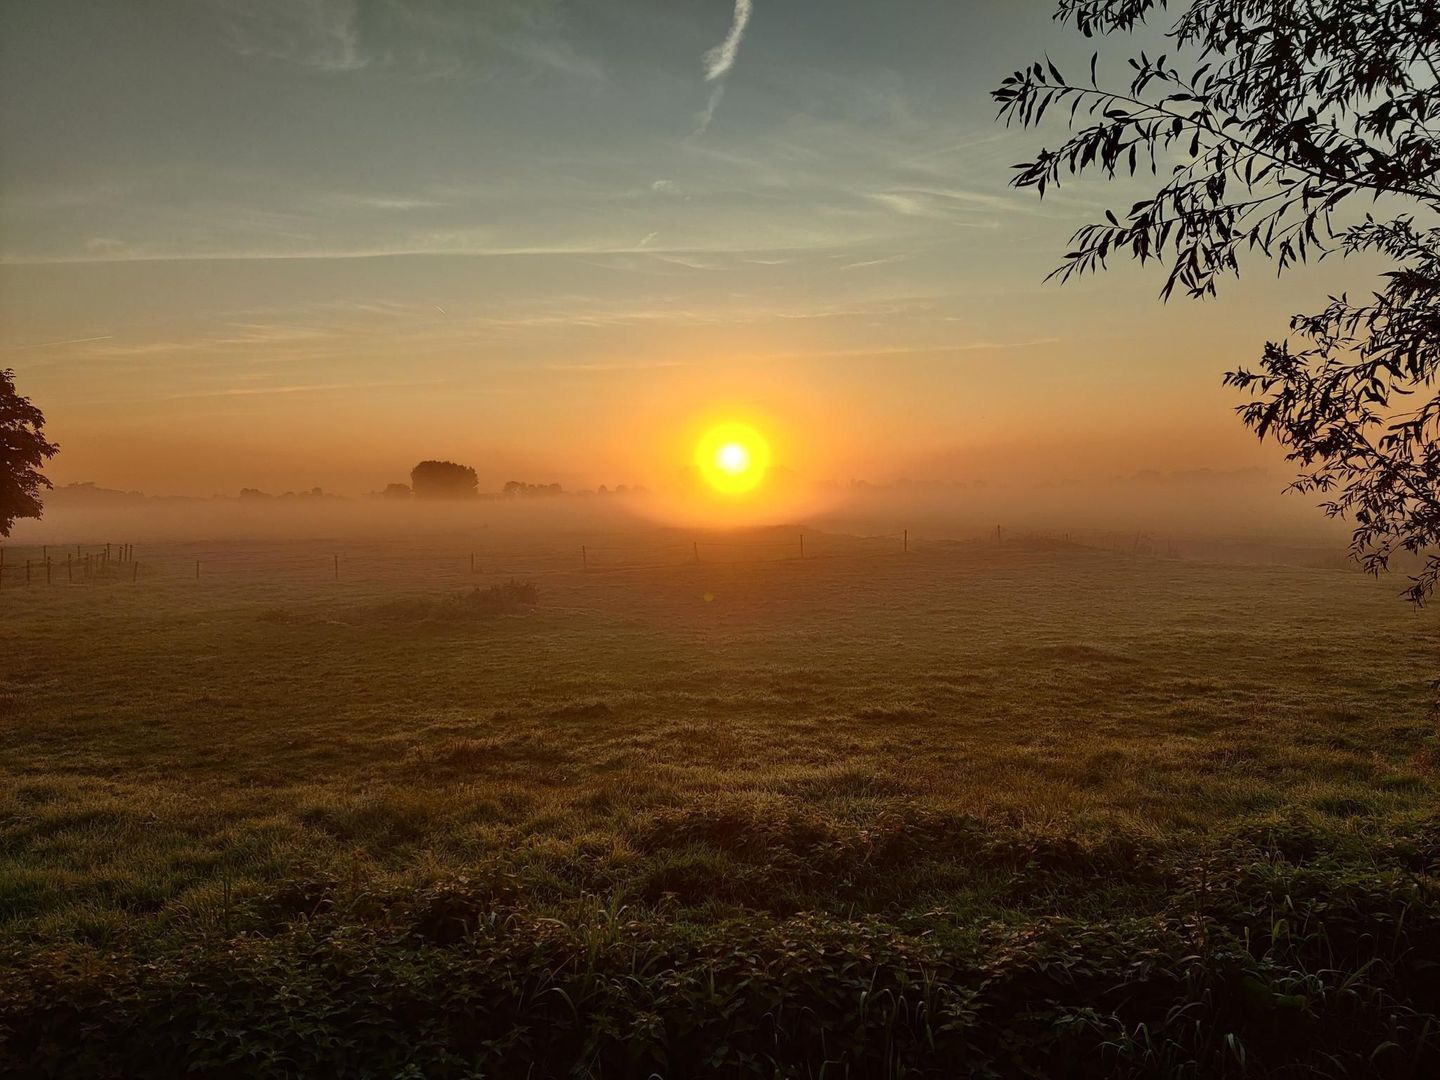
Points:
(733, 458)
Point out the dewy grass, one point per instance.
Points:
(960, 812)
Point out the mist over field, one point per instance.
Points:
(1198, 507)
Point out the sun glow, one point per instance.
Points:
(732, 458)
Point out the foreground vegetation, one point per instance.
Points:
(1010, 812)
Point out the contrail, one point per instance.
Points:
(67, 341)
(719, 60)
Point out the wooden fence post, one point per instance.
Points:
(47, 569)
(197, 569)
(584, 558)
(69, 573)
(907, 540)
(337, 567)
(134, 572)
(802, 545)
(696, 545)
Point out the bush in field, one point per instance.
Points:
(511, 598)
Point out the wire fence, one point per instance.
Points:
(113, 563)
(80, 564)
(313, 561)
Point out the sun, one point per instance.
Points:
(732, 458)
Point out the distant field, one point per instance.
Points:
(962, 808)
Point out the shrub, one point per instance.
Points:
(510, 598)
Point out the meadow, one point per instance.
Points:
(1032, 809)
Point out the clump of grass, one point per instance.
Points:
(510, 598)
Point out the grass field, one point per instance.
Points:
(1024, 810)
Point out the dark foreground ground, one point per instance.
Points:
(1045, 812)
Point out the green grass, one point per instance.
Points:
(966, 809)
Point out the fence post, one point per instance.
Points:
(47, 569)
(802, 545)
(584, 558)
(696, 545)
(107, 553)
(337, 567)
(472, 562)
(907, 540)
(197, 569)
(134, 572)
(69, 574)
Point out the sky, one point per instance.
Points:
(297, 243)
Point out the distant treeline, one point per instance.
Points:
(429, 484)
(451, 480)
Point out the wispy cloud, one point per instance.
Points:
(347, 200)
(67, 341)
(305, 388)
(947, 204)
(914, 350)
(464, 42)
(322, 34)
(719, 60)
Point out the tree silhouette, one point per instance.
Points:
(23, 449)
(443, 480)
(1288, 111)
(520, 489)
